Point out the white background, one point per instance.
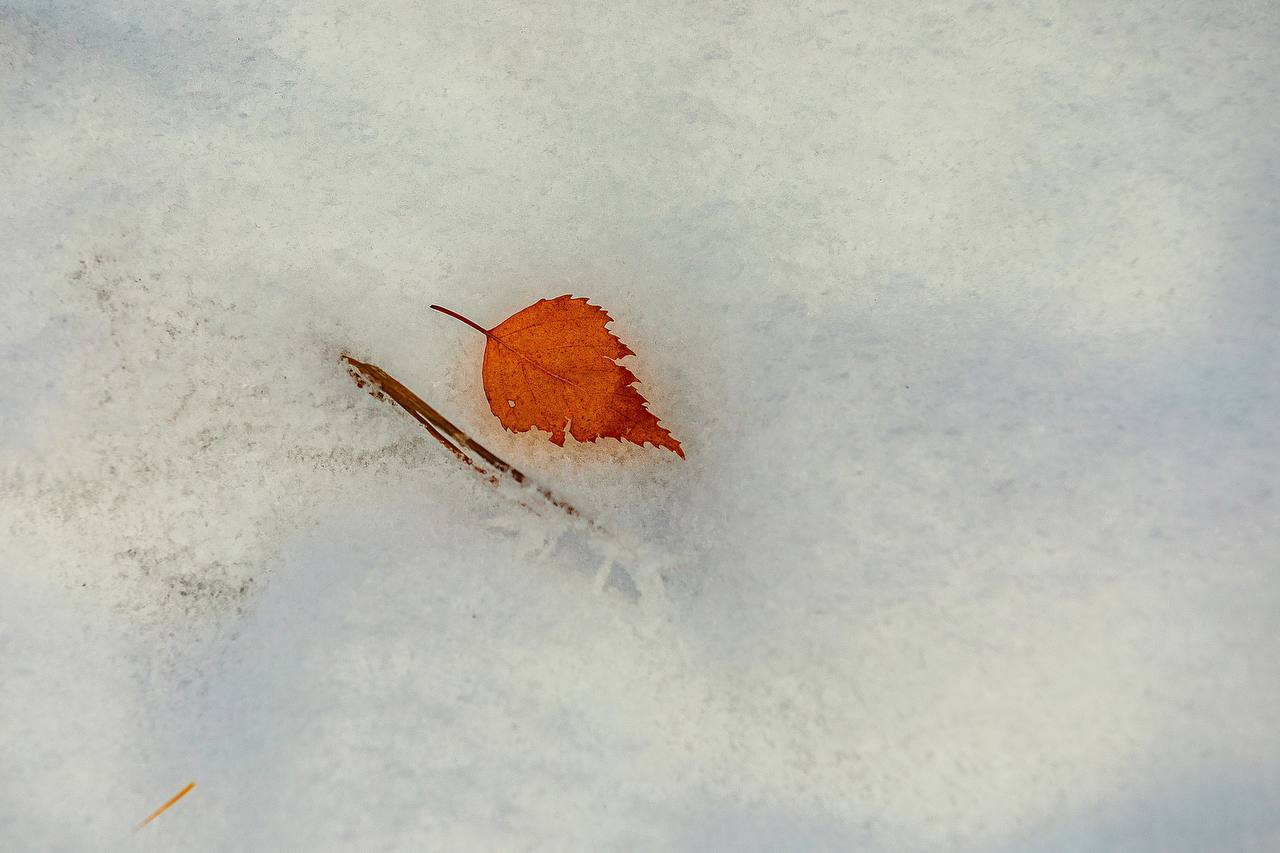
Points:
(966, 314)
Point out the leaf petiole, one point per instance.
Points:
(455, 315)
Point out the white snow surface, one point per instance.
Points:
(967, 316)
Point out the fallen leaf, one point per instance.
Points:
(554, 366)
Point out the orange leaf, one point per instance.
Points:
(554, 366)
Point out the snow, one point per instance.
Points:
(966, 316)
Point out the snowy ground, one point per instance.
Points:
(967, 316)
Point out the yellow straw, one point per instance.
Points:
(155, 814)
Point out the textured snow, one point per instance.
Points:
(967, 316)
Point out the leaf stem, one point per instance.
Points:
(455, 315)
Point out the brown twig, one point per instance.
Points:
(383, 385)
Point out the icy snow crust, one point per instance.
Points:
(967, 317)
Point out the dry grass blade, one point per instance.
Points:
(155, 814)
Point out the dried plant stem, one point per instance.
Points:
(155, 814)
(384, 386)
